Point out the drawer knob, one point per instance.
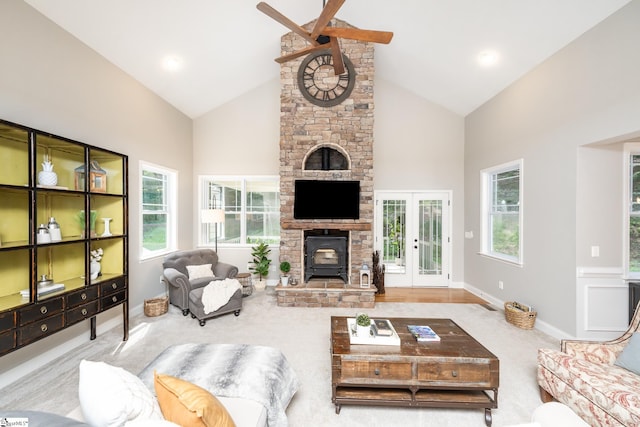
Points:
(83, 296)
(114, 285)
(114, 299)
(454, 373)
(376, 371)
(43, 327)
(43, 309)
(84, 311)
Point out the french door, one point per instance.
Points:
(412, 235)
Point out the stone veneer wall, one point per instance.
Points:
(305, 127)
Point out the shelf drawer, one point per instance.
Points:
(477, 373)
(83, 312)
(40, 329)
(376, 371)
(7, 341)
(40, 311)
(83, 296)
(111, 300)
(112, 286)
(7, 321)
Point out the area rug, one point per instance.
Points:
(302, 334)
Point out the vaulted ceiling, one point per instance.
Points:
(224, 48)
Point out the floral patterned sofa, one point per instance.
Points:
(583, 375)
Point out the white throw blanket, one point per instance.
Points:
(217, 293)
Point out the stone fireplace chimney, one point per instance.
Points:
(345, 131)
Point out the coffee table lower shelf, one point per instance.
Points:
(422, 398)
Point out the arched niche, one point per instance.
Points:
(327, 157)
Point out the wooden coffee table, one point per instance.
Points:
(456, 372)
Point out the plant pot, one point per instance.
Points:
(260, 285)
(363, 331)
(284, 280)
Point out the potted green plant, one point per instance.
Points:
(363, 325)
(261, 263)
(285, 267)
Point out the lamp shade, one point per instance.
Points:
(212, 216)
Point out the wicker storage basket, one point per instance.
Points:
(515, 315)
(156, 306)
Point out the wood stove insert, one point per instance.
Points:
(326, 254)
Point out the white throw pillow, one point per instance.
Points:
(199, 271)
(110, 396)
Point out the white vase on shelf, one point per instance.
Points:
(95, 269)
(107, 230)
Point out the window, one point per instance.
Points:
(633, 209)
(251, 207)
(502, 212)
(158, 186)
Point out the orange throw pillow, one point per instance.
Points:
(187, 404)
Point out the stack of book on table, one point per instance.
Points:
(423, 333)
(44, 290)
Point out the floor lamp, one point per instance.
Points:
(213, 216)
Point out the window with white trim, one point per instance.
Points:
(502, 212)
(250, 208)
(632, 246)
(158, 192)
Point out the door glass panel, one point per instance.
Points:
(394, 235)
(430, 237)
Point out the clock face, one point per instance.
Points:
(318, 82)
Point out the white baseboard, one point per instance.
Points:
(540, 324)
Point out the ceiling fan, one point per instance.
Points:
(323, 35)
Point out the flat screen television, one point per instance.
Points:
(316, 199)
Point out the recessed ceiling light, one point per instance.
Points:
(172, 63)
(487, 58)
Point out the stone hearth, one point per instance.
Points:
(319, 293)
(346, 128)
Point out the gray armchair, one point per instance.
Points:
(176, 274)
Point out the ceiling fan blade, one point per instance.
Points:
(357, 34)
(299, 53)
(274, 14)
(336, 53)
(327, 14)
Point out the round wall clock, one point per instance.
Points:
(318, 82)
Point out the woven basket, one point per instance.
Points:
(156, 306)
(521, 319)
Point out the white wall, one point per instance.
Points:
(588, 92)
(417, 146)
(52, 82)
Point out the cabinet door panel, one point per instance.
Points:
(376, 371)
(40, 329)
(113, 299)
(112, 286)
(7, 341)
(479, 373)
(81, 313)
(40, 311)
(83, 296)
(7, 321)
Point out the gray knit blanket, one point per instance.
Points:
(251, 372)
